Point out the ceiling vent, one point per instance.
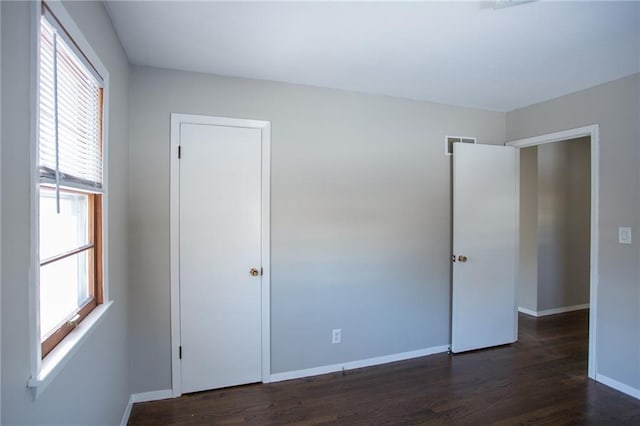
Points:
(450, 140)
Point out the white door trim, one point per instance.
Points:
(594, 132)
(174, 192)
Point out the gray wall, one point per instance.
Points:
(615, 107)
(93, 387)
(528, 251)
(578, 222)
(563, 224)
(360, 216)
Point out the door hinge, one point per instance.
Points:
(179, 151)
(180, 352)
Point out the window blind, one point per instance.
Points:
(70, 132)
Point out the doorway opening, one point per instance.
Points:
(553, 274)
(553, 243)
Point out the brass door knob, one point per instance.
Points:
(254, 272)
(462, 258)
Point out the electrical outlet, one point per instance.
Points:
(624, 235)
(336, 336)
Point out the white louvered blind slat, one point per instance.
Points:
(79, 116)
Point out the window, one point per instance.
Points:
(70, 190)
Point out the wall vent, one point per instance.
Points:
(450, 140)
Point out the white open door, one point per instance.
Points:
(485, 230)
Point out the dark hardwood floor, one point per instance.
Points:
(541, 379)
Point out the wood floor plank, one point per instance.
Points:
(541, 379)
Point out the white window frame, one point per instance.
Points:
(43, 371)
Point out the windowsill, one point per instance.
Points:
(54, 362)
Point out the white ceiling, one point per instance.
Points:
(460, 53)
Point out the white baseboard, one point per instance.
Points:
(144, 397)
(527, 311)
(152, 396)
(297, 374)
(553, 311)
(127, 412)
(563, 310)
(629, 390)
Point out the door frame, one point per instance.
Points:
(593, 131)
(177, 120)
